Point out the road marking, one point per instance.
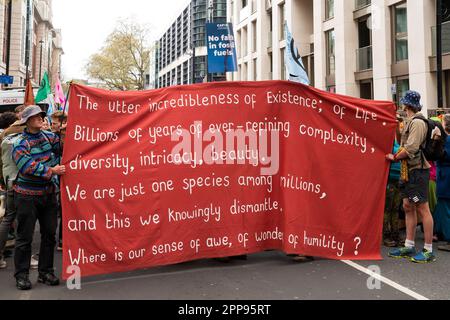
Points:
(385, 280)
(25, 295)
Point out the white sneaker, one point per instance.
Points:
(2, 263)
(34, 261)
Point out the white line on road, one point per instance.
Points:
(385, 280)
(25, 295)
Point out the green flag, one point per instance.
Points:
(44, 89)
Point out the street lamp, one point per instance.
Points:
(41, 42)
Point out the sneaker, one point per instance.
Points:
(402, 252)
(49, 279)
(2, 263)
(34, 263)
(23, 283)
(424, 257)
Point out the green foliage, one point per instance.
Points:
(124, 60)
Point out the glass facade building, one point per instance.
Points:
(181, 52)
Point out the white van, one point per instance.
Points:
(14, 97)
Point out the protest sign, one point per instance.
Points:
(211, 170)
(221, 48)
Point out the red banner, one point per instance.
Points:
(222, 169)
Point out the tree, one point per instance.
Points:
(124, 60)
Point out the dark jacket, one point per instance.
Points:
(443, 173)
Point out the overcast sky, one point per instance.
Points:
(85, 25)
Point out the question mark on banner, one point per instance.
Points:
(358, 240)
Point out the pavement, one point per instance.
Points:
(269, 275)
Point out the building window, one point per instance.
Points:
(401, 32)
(329, 9)
(402, 86)
(255, 69)
(244, 42)
(244, 72)
(331, 89)
(445, 11)
(331, 66)
(366, 89)
(244, 3)
(364, 52)
(238, 41)
(254, 36)
(271, 66)
(282, 22)
(282, 65)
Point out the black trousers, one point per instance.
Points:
(29, 209)
(8, 219)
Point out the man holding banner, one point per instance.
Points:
(34, 193)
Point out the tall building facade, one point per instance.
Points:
(375, 49)
(45, 42)
(181, 55)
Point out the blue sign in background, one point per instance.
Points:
(6, 79)
(221, 48)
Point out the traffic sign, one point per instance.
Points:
(6, 79)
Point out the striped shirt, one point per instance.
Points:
(34, 155)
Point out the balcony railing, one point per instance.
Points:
(364, 58)
(445, 38)
(359, 4)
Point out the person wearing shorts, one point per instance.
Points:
(414, 179)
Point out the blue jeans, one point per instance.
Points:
(29, 209)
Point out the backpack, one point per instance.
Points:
(10, 170)
(433, 149)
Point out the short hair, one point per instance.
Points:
(447, 122)
(7, 119)
(20, 109)
(59, 115)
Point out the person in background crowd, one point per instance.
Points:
(7, 119)
(7, 238)
(34, 195)
(59, 122)
(414, 178)
(432, 197)
(442, 211)
(15, 127)
(391, 233)
(46, 125)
